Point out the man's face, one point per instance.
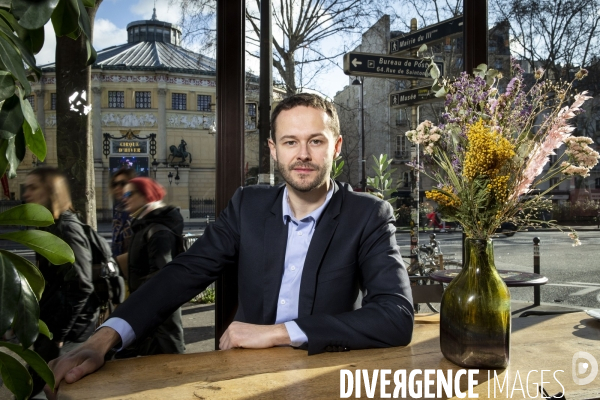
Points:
(116, 186)
(305, 147)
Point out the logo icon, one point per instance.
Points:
(579, 368)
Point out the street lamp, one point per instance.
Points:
(360, 81)
(170, 176)
(177, 175)
(155, 167)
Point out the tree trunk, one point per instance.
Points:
(73, 129)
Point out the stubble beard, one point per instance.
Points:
(303, 184)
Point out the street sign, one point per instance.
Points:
(384, 66)
(433, 33)
(412, 97)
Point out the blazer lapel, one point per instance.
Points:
(275, 243)
(316, 251)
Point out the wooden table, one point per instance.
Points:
(538, 343)
(511, 278)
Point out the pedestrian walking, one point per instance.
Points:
(67, 305)
(157, 239)
(121, 223)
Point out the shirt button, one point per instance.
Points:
(293, 267)
(282, 301)
(299, 233)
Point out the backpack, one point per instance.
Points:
(108, 284)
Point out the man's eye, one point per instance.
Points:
(289, 143)
(317, 141)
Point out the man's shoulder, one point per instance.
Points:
(257, 196)
(358, 198)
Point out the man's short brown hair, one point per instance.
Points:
(307, 100)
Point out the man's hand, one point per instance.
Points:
(252, 336)
(82, 361)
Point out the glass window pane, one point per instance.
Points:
(204, 102)
(143, 100)
(116, 99)
(53, 101)
(179, 101)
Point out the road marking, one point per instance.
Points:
(586, 288)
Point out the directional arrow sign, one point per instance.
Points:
(433, 33)
(412, 97)
(382, 66)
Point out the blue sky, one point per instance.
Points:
(110, 30)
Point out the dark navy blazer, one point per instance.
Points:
(352, 254)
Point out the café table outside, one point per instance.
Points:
(537, 343)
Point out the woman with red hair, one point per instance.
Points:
(157, 239)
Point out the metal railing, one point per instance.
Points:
(6, 205)
(201, 208)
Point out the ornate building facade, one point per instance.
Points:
(152, 100)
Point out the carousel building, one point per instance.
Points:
(152, 110)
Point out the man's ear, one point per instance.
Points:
(338, 146)
(272, 149)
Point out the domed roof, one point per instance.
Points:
(152, 45)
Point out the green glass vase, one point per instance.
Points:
(475, 312)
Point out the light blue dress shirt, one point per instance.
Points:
(300, 233)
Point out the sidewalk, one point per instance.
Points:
(578, 228)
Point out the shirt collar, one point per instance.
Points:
(315, 215)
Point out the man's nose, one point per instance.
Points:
(304, 153)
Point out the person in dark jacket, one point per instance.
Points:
(67, 306)
(157, 239)
(121, 223)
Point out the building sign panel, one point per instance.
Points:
(383, 66)
(429, 34)
(130, 147)
(412, 97)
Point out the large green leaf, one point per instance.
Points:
(89, 3)
(26, 323)
(28, 270)
(10, 290)
(33, 38)
(7, 85)
(33, 360)
(3, 159)
(33, 14)
(91, 53)
(15, 377)
(14, 63)
(44, 330)
(11, 117)
(20, 145)
(84, 20)
(25, 52)
(33, 133)
(11, 158)
(65, 17)
(28, 215)
(46, 244)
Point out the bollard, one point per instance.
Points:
(536, 269)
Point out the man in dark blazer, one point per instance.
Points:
(306, 252)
